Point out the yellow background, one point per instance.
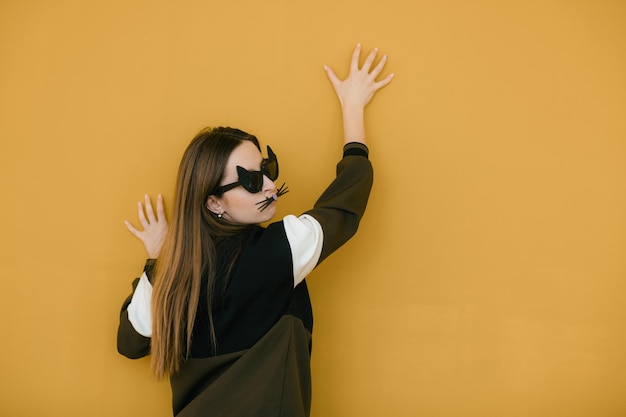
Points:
(489, 275)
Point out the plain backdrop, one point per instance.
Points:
(489, 274)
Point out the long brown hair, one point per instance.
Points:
(189, 250)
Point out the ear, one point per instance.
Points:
(214, 205)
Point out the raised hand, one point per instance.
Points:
(154, 227)
(357, 90)
(360, 85)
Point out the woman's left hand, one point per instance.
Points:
(154, 227)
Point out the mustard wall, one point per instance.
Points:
(488, 277)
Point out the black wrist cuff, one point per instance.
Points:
(355, 148)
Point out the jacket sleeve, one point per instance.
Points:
(129, 342)
(341, 206)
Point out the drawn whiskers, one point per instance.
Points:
(269, 200)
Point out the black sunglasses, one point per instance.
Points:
(252, 181)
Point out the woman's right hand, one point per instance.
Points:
(360, 85)
(154, 227)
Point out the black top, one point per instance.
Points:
(250, 304)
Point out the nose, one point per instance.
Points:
(268, 185)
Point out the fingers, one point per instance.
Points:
(354, 63)
(132, 229)
(142, 216)
(149, 209)
(331, 75)
(367, 65)
(335, 81)
(370, 58)
(379, 68)
(380, 84)
(360, 84)
(160, 209)
(154, 229)
(145, 213)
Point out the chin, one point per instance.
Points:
(268, 214)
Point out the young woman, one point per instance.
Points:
(222, 305)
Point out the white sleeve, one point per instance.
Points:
(305, 236)
(139, 310)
